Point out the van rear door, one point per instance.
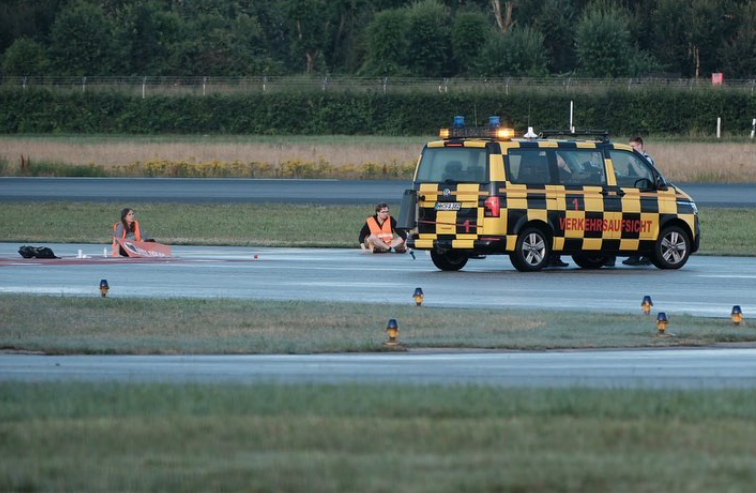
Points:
(448, 180)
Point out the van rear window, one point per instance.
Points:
(452, 164)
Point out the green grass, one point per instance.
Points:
(188, 224)
(117, 437)
(725, 231)
(62, 325)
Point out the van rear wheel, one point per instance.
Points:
(532, 250)
(449, 261)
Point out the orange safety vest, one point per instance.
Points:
(137, 232)
(383, 231)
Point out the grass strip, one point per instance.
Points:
(188, 224)
(330, 438)
(310, 156)
(62, 325)
(725, 231)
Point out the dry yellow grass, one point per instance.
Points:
(680, 161)
(705, 161)
(123, 152)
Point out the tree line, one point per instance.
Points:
(417, 38)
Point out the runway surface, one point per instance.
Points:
(238, 190)
(706, 286)
(675, 368)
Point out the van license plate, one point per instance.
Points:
(448, 206)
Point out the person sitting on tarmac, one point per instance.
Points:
(379, 234)
(127, 228)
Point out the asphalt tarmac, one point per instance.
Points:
(706, 286)
(238, 190)
(667, 369)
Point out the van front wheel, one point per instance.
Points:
(532, 251)
(449, 260)
(672, 249)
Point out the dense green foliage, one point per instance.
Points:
(437, 38)
(620, 111)
(603, 43)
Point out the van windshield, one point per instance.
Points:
(452, 164)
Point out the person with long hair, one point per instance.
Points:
(127, 228)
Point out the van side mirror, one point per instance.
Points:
(644, 184)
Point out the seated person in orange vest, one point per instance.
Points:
(379, 234)
(127, 228)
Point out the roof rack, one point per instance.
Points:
(601, 135)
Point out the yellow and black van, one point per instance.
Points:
(482, 191)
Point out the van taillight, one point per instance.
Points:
(493, 207)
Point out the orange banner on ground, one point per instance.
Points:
(144, 248)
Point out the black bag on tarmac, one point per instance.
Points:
(27, 251)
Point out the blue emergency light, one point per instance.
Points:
(737, 314)
(392, 329)
(661, 325)
(494, 130)
(104, 288)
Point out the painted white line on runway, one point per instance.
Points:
(346, 284)
(298, 267)
(728, 276)
(52, 290)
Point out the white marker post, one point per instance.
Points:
(719, 127)
(753, 127)
(572, 127)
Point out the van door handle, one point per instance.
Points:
(620, 193)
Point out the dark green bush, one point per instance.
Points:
(622, 112)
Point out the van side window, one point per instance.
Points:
(630, 171)
(528, 166)
(580, 167)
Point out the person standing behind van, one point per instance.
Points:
(637, 144)
(379, 234)
(565, 178)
